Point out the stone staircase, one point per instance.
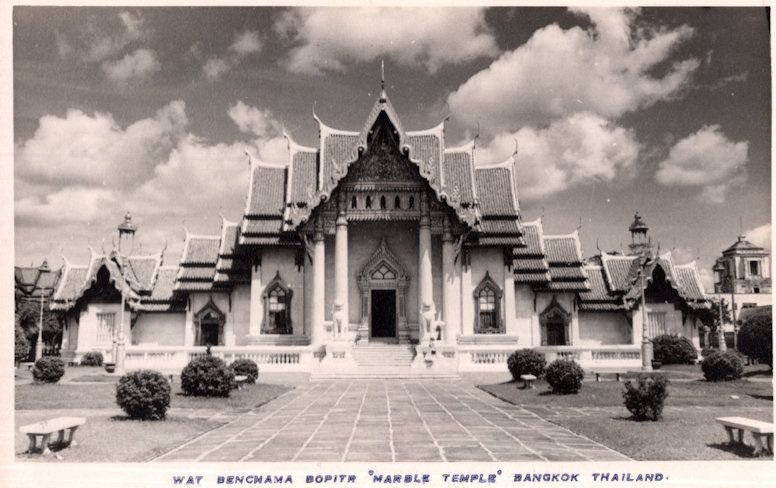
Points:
(380, 360)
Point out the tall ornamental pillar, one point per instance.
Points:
(341, 266)
(317, 335)
(425, 280)
(449, 280)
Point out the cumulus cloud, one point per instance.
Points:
(608, 69)
(760, 235)
(581, 149)
(87, 168)
(134, 66)
(101, 39)
(245, 44)
(327, 39)
(705, 159)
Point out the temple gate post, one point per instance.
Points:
(449, 282)
(341, 261)
(257, 301)
(425, 281)
(317, 335)
(510, 313)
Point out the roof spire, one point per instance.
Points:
(383, 96)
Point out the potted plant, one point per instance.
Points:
(656, 364)
(110, 367)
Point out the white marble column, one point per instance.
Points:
(341, 263)
(317, 335)
(425, 278)
(467, 300)
(510, 314)
(257, 302)
(188, 327)
(449, 282)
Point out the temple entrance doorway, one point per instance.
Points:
(383, 314)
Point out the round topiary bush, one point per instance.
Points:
(48, 369)
(21, 345)
(755, 338)
(92, 359)
(722, 366)
(245, 367)
(674, 349)
(207, 376)
(645, 399)
(143, 394)
(526, 361)
(564, 376)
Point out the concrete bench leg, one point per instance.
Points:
(598, 377)
(758, 444)
(769, 441)
(44, 444)
(729, 431)
(740, 436)
(618, 377)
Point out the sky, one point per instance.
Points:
(664, 111)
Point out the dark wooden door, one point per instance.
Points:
(383, 313)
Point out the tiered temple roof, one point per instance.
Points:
(550, 262)
(148, 284)
(615, 283)
(32, 282)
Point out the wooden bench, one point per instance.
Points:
(529, 381)
(618, 375)
(241, 381)
(757, 428)
(65, 428)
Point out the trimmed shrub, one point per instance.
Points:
(207, 376)
(92, 359)
(21, 345)
(645, 399)
(245, 367)
(755, 338)
(143, 394)
(722, 366)
(564, 376)
(48, 369)
(674, 349)
(708, 350)
(526, 361)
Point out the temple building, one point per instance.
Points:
(381, 251)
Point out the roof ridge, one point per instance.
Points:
(466, 147)
(440, 127)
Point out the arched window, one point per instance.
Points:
(210, 322)
(277, 304)
(353, 202)
(555, 321)
(397, 202)
(382, 202)
(487, 305)
(412, 203)
(368, 201)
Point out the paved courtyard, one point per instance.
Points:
(383, 420)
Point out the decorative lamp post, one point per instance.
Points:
(39, 344)
(646, 344)
(126, 230)
(721, 279)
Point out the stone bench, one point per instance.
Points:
(65, 428)
(529, 381)
(618, 375)
(241, 381)
(757, 428)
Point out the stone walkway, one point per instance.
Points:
(389, 421)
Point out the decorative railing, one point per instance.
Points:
(489, 357)
(494, 357)
(279, 358)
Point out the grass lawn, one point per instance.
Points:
(103, 395)
(114, 438)
(684, 433)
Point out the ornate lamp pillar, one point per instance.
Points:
(720, 278)
(425, 281)
(646, 344)
(448, 284)
(39, 344)
(319, 285)
(126, 231)
(341, 261)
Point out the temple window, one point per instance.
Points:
(555, 325)
(105, 327)
(353, 202)
(277, 297)
(754, 268)
(397, 202)
(412, 203)
(210, 325)
(368, 201)
(487, 301)
(382, 203)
